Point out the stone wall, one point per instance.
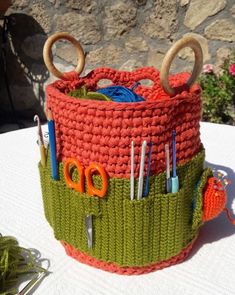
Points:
(120, 34)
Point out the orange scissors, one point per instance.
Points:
(80, 185)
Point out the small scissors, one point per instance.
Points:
(80, 185)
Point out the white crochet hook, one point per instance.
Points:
(132, 180)
(141, 173)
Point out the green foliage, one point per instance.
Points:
(219, 94)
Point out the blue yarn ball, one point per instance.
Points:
(120, 94)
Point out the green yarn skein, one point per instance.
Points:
(83, 93)
(15, 262)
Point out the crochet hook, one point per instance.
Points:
(27, 289)
(52, 144)
(40, 141)
(168, 176)
(174, 179)
(132, 179)
(146, 191)
(141, 172)
(89, 232)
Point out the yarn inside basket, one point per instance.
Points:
(120, 94)
(115, 93)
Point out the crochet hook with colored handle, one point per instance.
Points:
(174, 179)
(132, 179)
(168, 176)
(146, 190)
(52, 144)
(141, 173)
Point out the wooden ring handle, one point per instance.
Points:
(47, 53)
(170, 55)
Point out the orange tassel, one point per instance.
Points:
(229, 216)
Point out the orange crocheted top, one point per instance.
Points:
(103, 130)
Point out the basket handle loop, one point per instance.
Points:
(170, 55)
(47, 54)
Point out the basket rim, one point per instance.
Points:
(60, 88)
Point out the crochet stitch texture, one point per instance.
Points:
(128, 233)
(138, 236)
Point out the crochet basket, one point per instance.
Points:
(129, 236)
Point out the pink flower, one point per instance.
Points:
(208, 69)
(232, 69)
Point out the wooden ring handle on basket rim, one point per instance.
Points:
(47, 53)
(170, 55)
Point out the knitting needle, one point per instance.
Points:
(146, 191)
(174, 179)
(132, 180)
(52, 144)
(168, 176)
(89, 232)
(40, 141)
(141, 172)
(26, 290)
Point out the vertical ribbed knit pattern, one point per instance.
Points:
(128, 233)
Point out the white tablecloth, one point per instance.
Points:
(210, 268)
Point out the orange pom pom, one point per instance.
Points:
(214, 199)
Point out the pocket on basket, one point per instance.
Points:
(138, 226)
(70, 209)
(153, 228)
(198, 198)
(47, 188)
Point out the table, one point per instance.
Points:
(210, 268)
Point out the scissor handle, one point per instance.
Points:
(172, 52)
(91, 189)
(47, 54)
(78, 186)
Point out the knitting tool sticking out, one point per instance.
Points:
(40, 141)
(89, 231)
(132, 179)
(168, 176)
(146, 191)
(174, 179)
(28, 288)
(52, 144)
(121, 94)
(141, 172)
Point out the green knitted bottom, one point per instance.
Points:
(125, 232)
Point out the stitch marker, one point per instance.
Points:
(141, 173)
(168, 176)
(174, 179)
(146, 191)
(132, 180)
